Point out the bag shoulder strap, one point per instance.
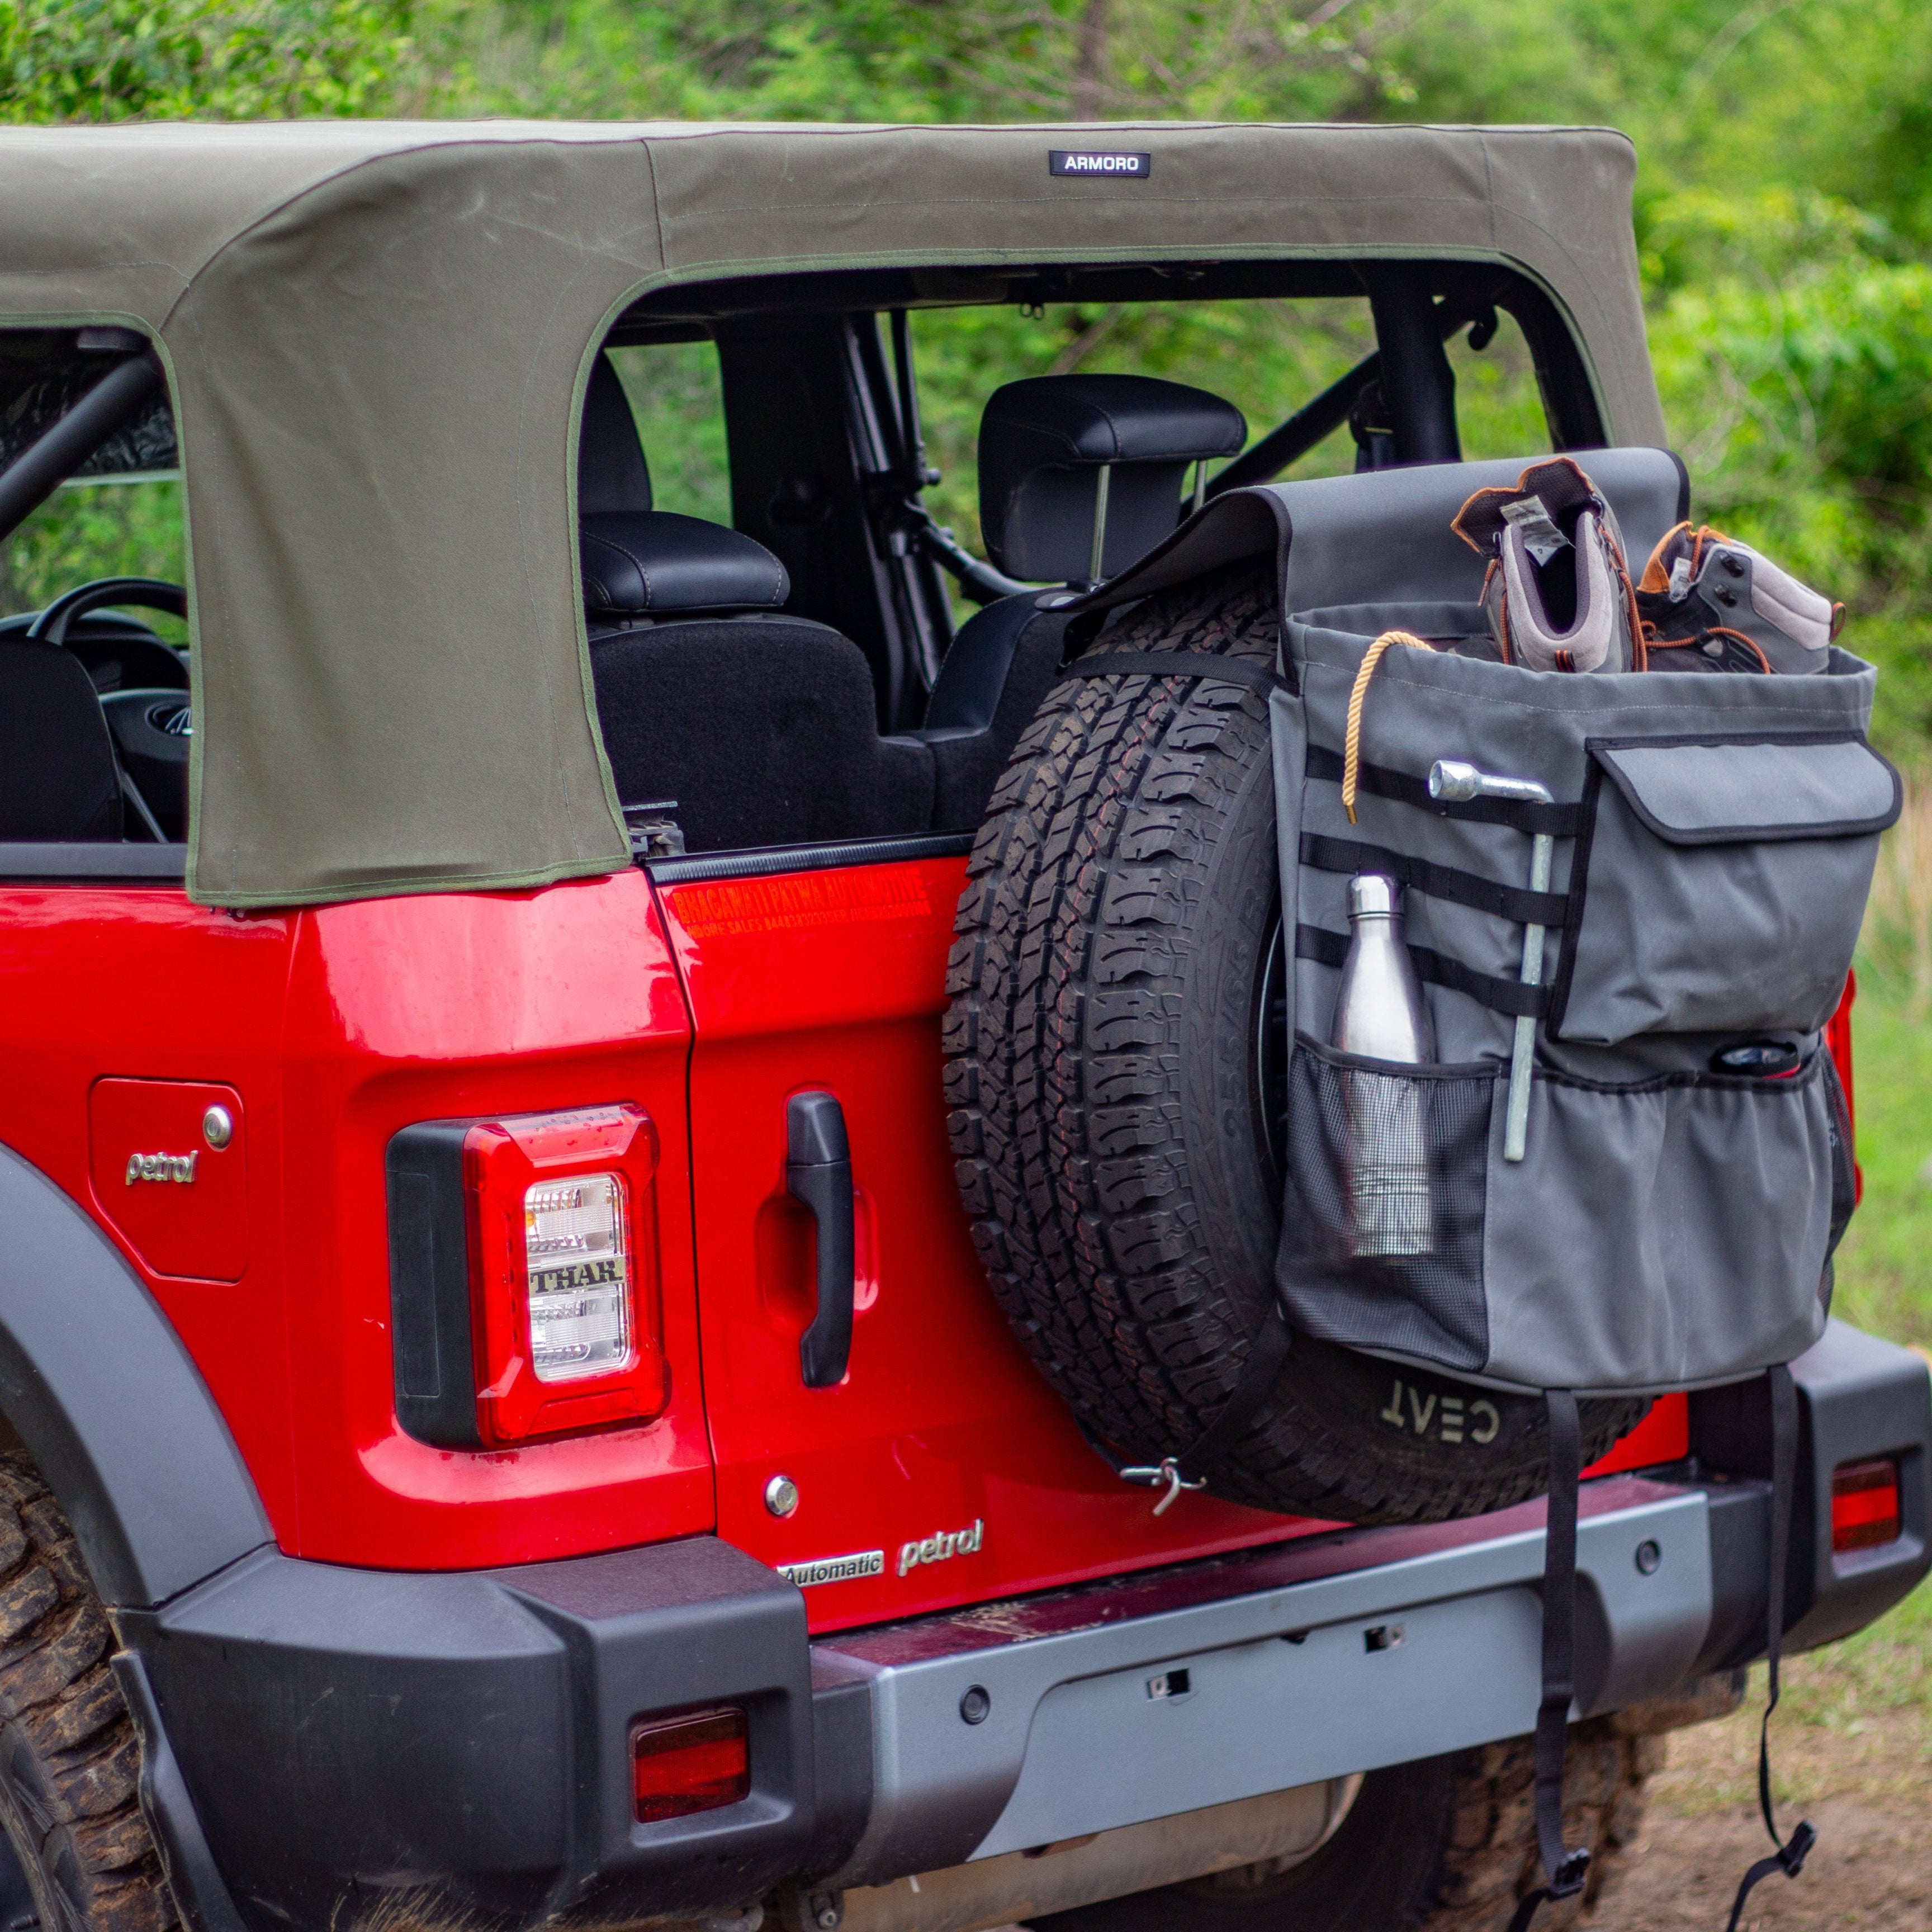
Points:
(1564, 1872)
(1790, 1854)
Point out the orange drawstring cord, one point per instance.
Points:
(1351, 750)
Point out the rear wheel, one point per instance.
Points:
(69, 1758)
(1445, 1845)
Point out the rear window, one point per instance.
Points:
(1269, 356)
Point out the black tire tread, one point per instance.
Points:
(70, 1760)
(1489, 1861)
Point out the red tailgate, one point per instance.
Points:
(834, 980)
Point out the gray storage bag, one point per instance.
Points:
(1664, 1215)
(1685, 1165)
(1669, 1223)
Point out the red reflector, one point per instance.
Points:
(1865, 1505)
(690, 1764)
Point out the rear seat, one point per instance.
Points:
(760, 725)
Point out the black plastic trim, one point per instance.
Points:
(1858, 1398)
(818, 1175)
(841, 1748)
(462, 1739)
(96, 1382)
(430, 1300)
(1740, 1531)
(199, 1889)
(771, 861)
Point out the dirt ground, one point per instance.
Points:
(1860, 1771)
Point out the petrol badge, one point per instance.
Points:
(938, 1549)
(176, 1167)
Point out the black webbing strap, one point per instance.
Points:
(1564, 1871)
(1513, 903)
(1560, 821)
(1790, 1856)
(1260, 677)
(1501, 996)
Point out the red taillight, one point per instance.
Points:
(563, 1269)
(1838, 1040)
(1865, 1505)
(690, 1764)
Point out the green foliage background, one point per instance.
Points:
(1784, 201)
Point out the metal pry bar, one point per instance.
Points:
(1451, 780)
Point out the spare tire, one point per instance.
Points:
(1114, 1074)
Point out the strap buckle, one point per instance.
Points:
(1565, 1882)
(1569, 1877)
(1168, 1470)
(1798, 1847)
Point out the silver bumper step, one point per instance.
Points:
(1143, 1697)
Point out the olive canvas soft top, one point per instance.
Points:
(376, 336)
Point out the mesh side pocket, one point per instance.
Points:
(1381, 1240)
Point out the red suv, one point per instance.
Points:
(507, 1418)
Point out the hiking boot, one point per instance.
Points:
(1707, 602)
(1558, 593)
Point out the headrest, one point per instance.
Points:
(652, 564)
(612, 475)
(1043, 443)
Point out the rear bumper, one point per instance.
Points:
(1305, 1662)
(321, 1741)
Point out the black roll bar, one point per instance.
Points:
(1329, 410)
(40, 469)
(1416, 377)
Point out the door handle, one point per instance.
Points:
(818, 1172)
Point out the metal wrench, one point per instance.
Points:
(1452, 780)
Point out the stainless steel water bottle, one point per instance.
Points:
(1379, 1015)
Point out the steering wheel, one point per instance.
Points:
(150, 593)
(147, 660)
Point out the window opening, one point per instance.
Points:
(1498, 406)
(678, 403)
(97, 527)
(95, 711)
(1269, 357)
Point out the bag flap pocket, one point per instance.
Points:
(1732, 791)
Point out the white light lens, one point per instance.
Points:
(580, 1276)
